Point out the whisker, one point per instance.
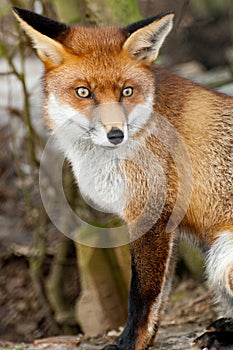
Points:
(79, 125)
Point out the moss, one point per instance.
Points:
(68, 12)
(111, 11)
(124, 11)
(192, 259)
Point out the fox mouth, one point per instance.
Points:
(111, 148)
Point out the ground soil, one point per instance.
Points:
(189, 311)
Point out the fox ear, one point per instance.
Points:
(147, 36)
(43, 32)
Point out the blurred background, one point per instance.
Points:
(50, 285)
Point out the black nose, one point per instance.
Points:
(115, 136)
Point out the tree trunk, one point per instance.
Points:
(98, 12)
(111, 11)
(104, 275)
(69, 11)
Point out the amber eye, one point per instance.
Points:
(83, 92)
(127, 92)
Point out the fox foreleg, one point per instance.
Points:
(152, 260)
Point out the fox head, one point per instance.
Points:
(98, 82)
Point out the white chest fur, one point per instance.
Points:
(99, 178)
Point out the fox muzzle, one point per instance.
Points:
(112, 116)
(113, 120)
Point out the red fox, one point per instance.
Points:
(136, 121)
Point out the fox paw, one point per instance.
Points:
(221, 325)
(218, 337)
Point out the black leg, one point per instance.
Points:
(152, 261)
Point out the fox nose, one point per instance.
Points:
(115, 136)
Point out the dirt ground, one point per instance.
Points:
(189, 311)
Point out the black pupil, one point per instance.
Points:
(128, 92)
(82, 92)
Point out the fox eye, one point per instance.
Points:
(127, 92)
(83, 92)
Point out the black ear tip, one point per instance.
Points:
(22, 13)
(44, 25)
(144, 22)
(16, 10)
(171, 12)
(19, 11)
